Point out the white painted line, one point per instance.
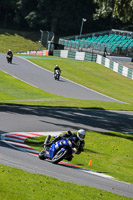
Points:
(15, 143)
(97, 174)
(13, 139)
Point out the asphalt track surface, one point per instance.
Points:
(28, 118)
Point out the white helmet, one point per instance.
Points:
(81, 134)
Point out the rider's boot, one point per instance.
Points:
(69, 158)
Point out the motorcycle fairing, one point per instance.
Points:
(51, 151)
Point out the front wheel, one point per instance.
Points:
(41, 155)
(59, 156)
(58, 78)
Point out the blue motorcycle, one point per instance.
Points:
(58, 151)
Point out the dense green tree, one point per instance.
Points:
(124, 11)
(7, 12)
(65, 17)
(27, 12)
(116, 9)
(57, 16)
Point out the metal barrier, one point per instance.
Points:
(108, 63)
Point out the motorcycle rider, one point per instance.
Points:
(9, 55)
(57, 68)
(77, 139)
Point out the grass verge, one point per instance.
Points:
(18, 41)
(111, 153)
(22, 185)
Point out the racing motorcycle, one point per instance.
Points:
(62, 149)
(57, 74)
(9, 59)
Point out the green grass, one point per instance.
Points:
(17, 184)
(111, 153)
(18, 41)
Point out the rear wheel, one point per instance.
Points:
(59, 156)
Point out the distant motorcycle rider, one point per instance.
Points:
(9, 55)
(57, 68)
(77, 139)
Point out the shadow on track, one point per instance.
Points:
(73, 117)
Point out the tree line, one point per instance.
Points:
(64, 17)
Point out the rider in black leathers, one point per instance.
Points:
(57, 68)
(76, 138)
(9, 55)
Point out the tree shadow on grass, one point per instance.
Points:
(128, 136)
(90, 151)
(34, 36)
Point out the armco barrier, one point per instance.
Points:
(71, 54)
(90, 57)
(56, 53)
(80, 56)
(125, 71)
(43, 52)
(64, 54)
(75, 55)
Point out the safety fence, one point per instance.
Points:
(116, 67)
(83, 56)
(43, 53)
